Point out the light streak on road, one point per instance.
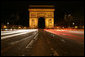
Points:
(74, 35)
(15, 42)
(19, 32)
(30, 37)
(31, 42)
(77, 32)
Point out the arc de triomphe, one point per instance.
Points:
(37, 11)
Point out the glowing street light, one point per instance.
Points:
(73, 23)
(7, 22)
(19, 27)
(83, 26)
(24, 27)
(76, 26)
(5, 26)
(62, 27)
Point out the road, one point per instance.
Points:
(14, 43)
(42, 43)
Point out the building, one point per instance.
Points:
(41, 12)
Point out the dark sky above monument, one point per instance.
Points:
(16, 12)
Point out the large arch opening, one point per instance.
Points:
(41, 23)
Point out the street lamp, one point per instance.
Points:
(5, 26)
(73, 23)
(7, 23)
(76, 26)
(19, 27)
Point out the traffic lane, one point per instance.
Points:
(66, 32)
(43, 47)
(18, 32)
(15, 48)
(10, 33)
(8, 41)
(78, 37)
(40, 47)
(64, 46)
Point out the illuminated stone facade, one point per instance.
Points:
(45, 11)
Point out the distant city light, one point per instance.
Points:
(62, 27)
(83, 26)
(24, 27)
(7, 22)
(5, 26)
(69, 15)
(76, 26)
(73, 23)
(19, 27)
(6, 29)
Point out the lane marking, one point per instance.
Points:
(31, 42)
(54, 53)
(20, 40)
(36, 37)
(5, 49)
(24, 38)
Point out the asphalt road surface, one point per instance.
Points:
(41, 43)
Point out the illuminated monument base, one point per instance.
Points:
(37, 11)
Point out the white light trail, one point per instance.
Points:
(23, 39)
(17, 31)
(80, 32)
(20, 32)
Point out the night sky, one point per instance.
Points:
(16, 12)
